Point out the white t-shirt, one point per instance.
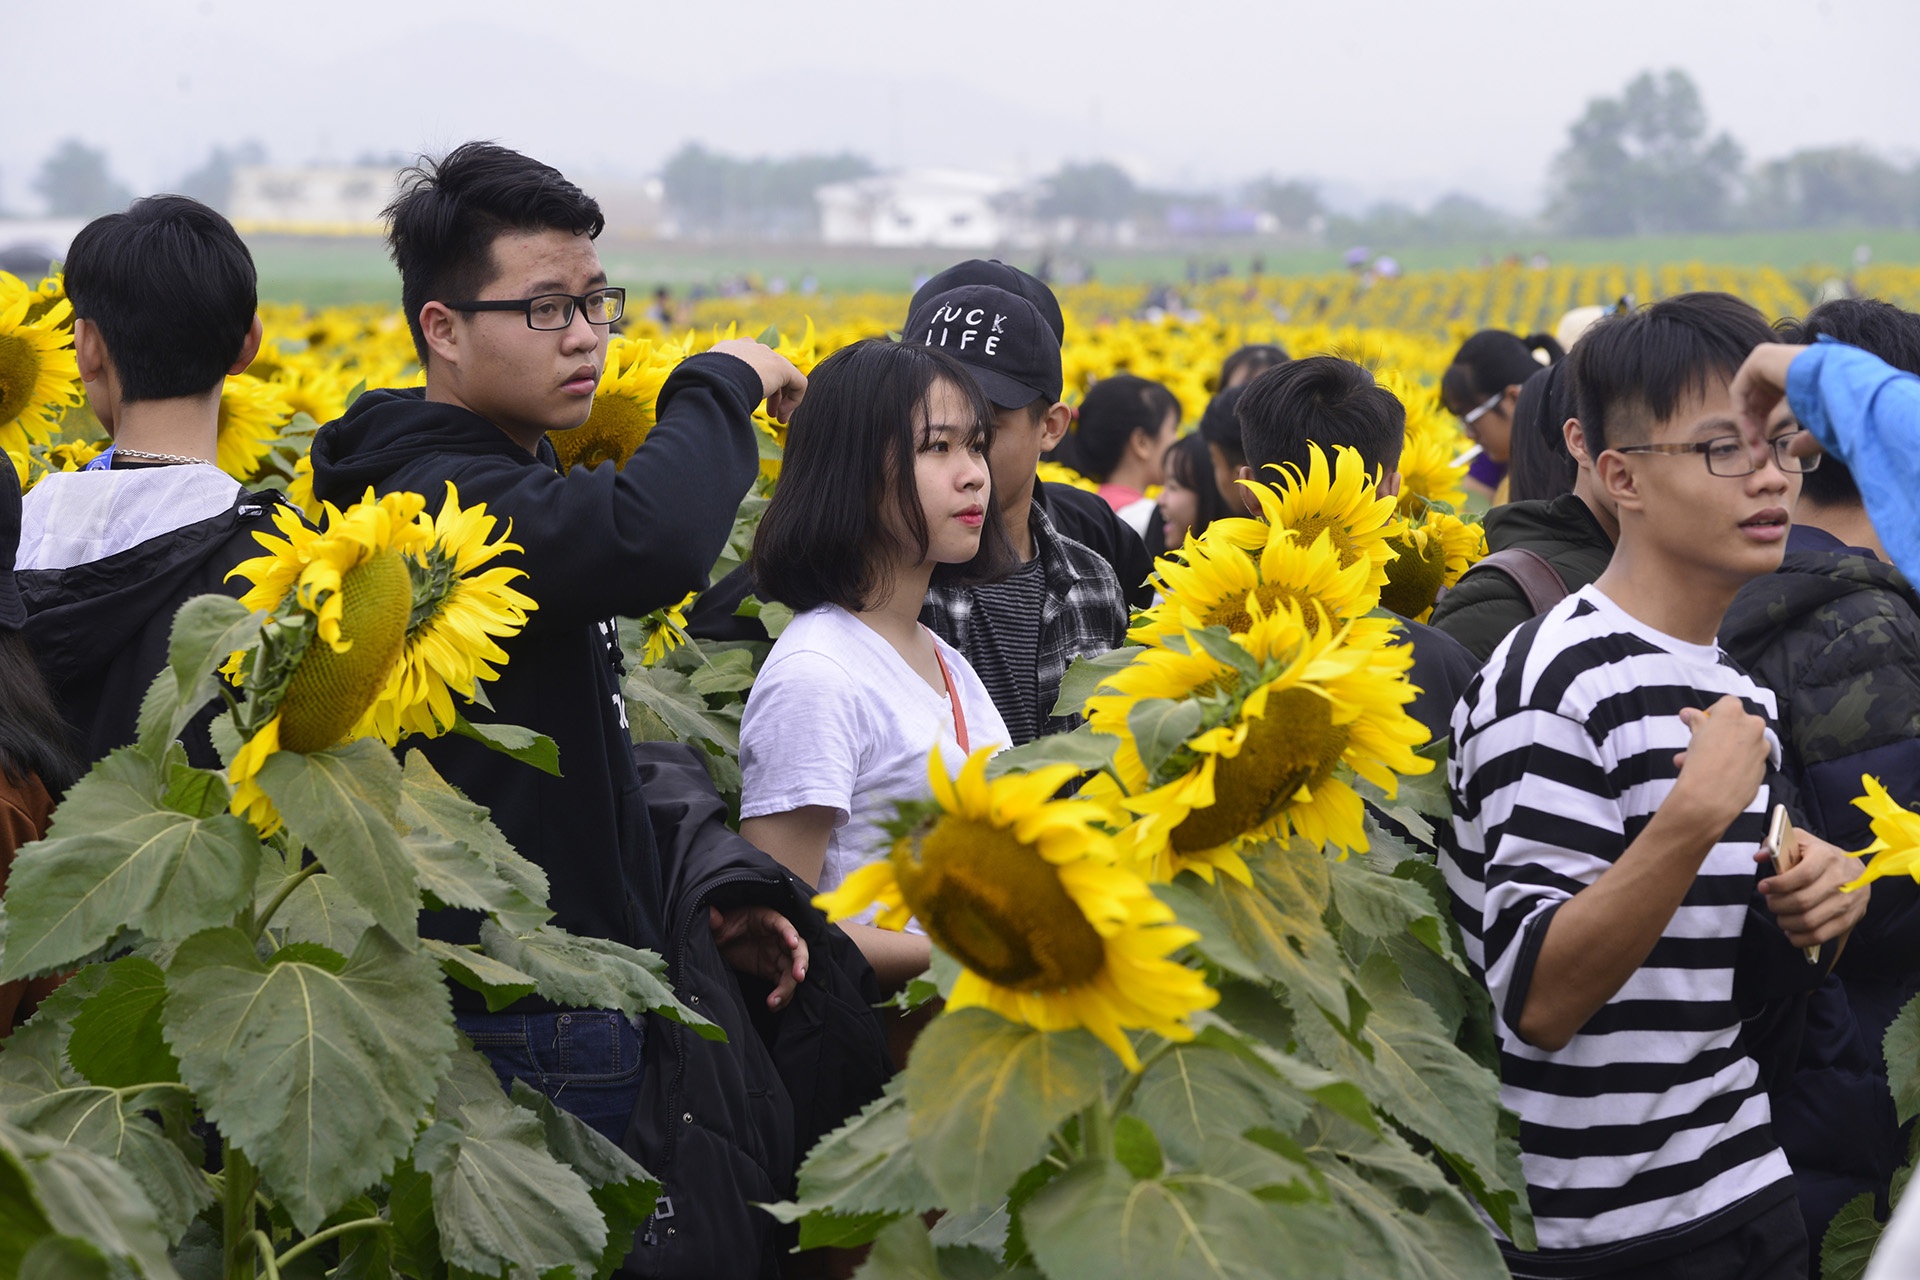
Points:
(838, 718)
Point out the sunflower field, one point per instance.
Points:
(1197, 1003)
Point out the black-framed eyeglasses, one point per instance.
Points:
(556, 310)
(1729, 455)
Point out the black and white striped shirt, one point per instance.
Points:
(1650, 1130)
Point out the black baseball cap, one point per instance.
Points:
(13, 614)
(1001, 276)
(999, 335)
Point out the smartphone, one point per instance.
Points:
(1782, 850)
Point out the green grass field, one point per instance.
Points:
(323, 271)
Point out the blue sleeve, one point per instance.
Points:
(1867, 414)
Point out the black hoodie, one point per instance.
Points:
(596, 544)
(100, 630)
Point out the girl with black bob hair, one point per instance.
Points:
(1481, 386)
(884, 490)
(1190, 500)
(1120, 439)
(36, 762)
(1248, 363)
(1540, 467)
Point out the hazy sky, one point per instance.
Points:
(1373, 98)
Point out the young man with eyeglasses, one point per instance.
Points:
(511, 311)
(1613, 774)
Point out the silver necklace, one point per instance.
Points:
(141, 455)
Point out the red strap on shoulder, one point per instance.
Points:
(953, 700)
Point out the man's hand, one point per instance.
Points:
(783, 384)
(1757, 390)
(1807, 900)
(1723, 765)
(760, 941)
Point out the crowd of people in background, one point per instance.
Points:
(1688, 615)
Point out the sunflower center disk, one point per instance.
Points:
(1414, 577)
(1295, 744)
(999, 907)
(618, 426)
(331, 691)
(1312, 527)
(19, 370)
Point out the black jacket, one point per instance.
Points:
(1835, 634)
(596, 543)
(1485, 605)
(99, 631)
(725, 1125)
(1442, 670)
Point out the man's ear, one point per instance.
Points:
(1389, 486)
(1617, 481)
(89, 351)
(1247, 500)
(442, 334)
(1576, 438)
(249, 346)
(1054, 427)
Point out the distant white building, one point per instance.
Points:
(324, 200)
(941, 208)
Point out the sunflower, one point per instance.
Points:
(667, 629)
(1428, 472)
(1271, 742)
(1221, 585)
(1895, 850)
(39, 379)
(251, 415)
(1338, 498)
(622, 414)
(1431, 556)
(458, 612)
(338, 604)
(1026, 892)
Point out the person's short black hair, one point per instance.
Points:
(1491, 361)
(172, 288)
(1115, 407)
(1879, 328)
(1220, 424)
(1321, 400)
(850, 453)
(442, 224)
(1255, 357)
(1540, 466)
(1633, 370)
(1189, 463)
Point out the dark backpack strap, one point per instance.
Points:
(1537, 579)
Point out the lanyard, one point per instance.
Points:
(953, 697)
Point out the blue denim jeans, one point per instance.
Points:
(586, 1060)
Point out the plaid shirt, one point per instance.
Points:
(1082, 614)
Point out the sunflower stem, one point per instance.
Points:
(1122, 1098)
(280, 896)
(236, 1218)
(1096, 1129)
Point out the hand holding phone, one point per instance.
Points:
(1783, 849)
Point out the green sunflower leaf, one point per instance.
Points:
(341, 805)
(322, 1076)
(429, 802)
(1850, 1240)
(1160, 727)
(1902, 1045)
(116, 858)
(983, 1094)
(488, 1169)
(1082, 748)
(205, 631)
(1098, 1220)
(52, 1190)
(524, 745)
(101, 1121)
(593, 973)
(500, 984)
(1085, 676)
(859, 1177)
(116, 1038)
(624, 1191)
